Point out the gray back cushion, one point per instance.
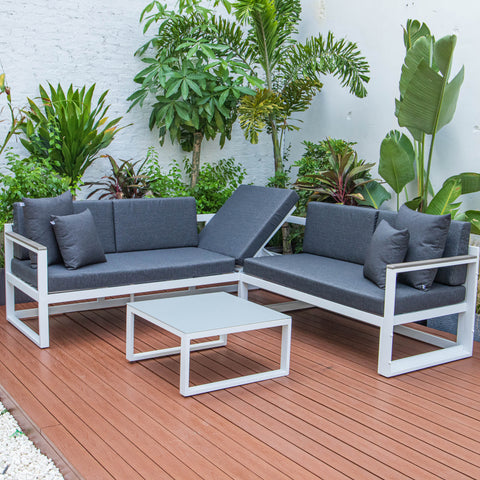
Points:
(37, 212)
(19, 227)
(428, 235)
(153, 223)
(246, 221)
(339, 231)
(456, 244)
(102, 212)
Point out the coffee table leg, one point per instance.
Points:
(286, 345)
(185, 366)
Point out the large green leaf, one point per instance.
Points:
(374, 194)
(442, 202)
(473, 216)
(397, 158)
(427, 100)
(470, 182)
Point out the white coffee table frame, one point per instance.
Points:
(275, 319)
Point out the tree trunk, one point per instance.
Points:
(197, 143)
(277, 153)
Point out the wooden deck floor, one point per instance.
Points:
(333, 417)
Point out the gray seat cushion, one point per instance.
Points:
(129, 268)
(339, 231)
(153, 223)
(343, 282)
(246, 221)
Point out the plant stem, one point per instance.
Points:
(429, 164)
(197, 143)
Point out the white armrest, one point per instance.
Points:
(432, 263)
(296, 220)
(24, 242)
(205, 217)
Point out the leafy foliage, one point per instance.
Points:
(68, 129)
(292, 70)
(342, 181)
(27, 178)
(427, 102)
(196, 79)
(216, 183)
(125, 181)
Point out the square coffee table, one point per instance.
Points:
(206, 315)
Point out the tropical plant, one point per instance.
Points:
(196, 79)
(26, 178)
(344, 181)
(125, 181)
(339, 177)
(293, 70)
(16, 117)
(316, 156)
(427, 102)
(68, 129)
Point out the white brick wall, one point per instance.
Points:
(93, 41)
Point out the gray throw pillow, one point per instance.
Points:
(78, 239)
(428, 234)
(36, 213)
(388, 245)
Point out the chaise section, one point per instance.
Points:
(130, 268)
(247, 220)
(343, 283)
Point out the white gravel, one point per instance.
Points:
(19, 458)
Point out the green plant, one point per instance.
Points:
(344, 181)
(16, 118)
(292, 70)
(317, 155)
(26, 178)
(164, 184)
(216, 183)
(68, 129)
(427, 102)
(196, 79)
(126, 181)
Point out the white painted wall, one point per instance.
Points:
(88, 41)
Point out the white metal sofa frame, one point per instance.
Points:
(390, 323)
(74, 300)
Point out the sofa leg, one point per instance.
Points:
(242, 291)
(385, 349)
(43, 325)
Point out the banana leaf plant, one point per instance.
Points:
(69, 129)
(428, 100)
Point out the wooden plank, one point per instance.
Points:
(333, 417)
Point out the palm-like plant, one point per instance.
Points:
(292, 70)
(68, 129)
